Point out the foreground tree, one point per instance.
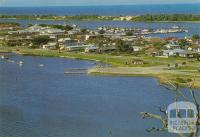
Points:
(192, 97)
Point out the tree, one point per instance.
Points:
(84, 30)
(40, 40)
(67, 27)
(176, 65)
(195, 37)
(182, 42)
(183, 96)
(129, 33)
(158, 45)
(122, 46)
(101, 32)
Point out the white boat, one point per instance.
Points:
(175, 27)
(41, 65)
(21, 62)
(2, 57)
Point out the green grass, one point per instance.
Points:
(119, 61)
(3, 32)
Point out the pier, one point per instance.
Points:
(76, 71)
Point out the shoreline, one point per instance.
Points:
(157, 72)
(103, 20)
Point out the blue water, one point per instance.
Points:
(44, 102)
(106, 10)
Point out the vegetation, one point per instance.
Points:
(144, 18)
(55, 17)
(195, 37)
(122, 46)
(168, 17)
(179, 95)
(129, 33)
(10, 23)
(55, 26)
(123, 64)
(40, 40)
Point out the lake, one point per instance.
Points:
(44, 102)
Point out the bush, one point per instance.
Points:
(181, 80)
(40, 40)
(184, 63)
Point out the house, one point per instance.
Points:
(67, 42)
(196, 49)
(91, 48)
(77, 48)
(172, 46)
(52, 32)
(137, 48)
(75, 30)
(51, 45)
(178, 52)
(37, 29)
(107, 49)
(87, 37)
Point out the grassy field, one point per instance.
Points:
(184, 74)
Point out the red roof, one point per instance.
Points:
(171, 38)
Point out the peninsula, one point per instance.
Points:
(129, 51)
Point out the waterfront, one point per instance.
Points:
(41, 102)
(193, 28)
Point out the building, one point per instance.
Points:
(77, 48)
(91, 48)
(178, 52)
(51, 45)
(137, 48)
(87, 37)
(37, 29)
(172, 46)
(68, 42)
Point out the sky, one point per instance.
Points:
(22, 3)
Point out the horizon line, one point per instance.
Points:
(98, 5)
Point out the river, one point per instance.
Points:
(40, 101)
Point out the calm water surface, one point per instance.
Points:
(106, 10)
(43, 102)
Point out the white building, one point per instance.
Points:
(51, 45)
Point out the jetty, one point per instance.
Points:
(76, 71)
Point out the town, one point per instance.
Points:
(104, 39)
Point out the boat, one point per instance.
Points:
(175, 27)
(41, 65)
(4, 57)
(21, 62)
